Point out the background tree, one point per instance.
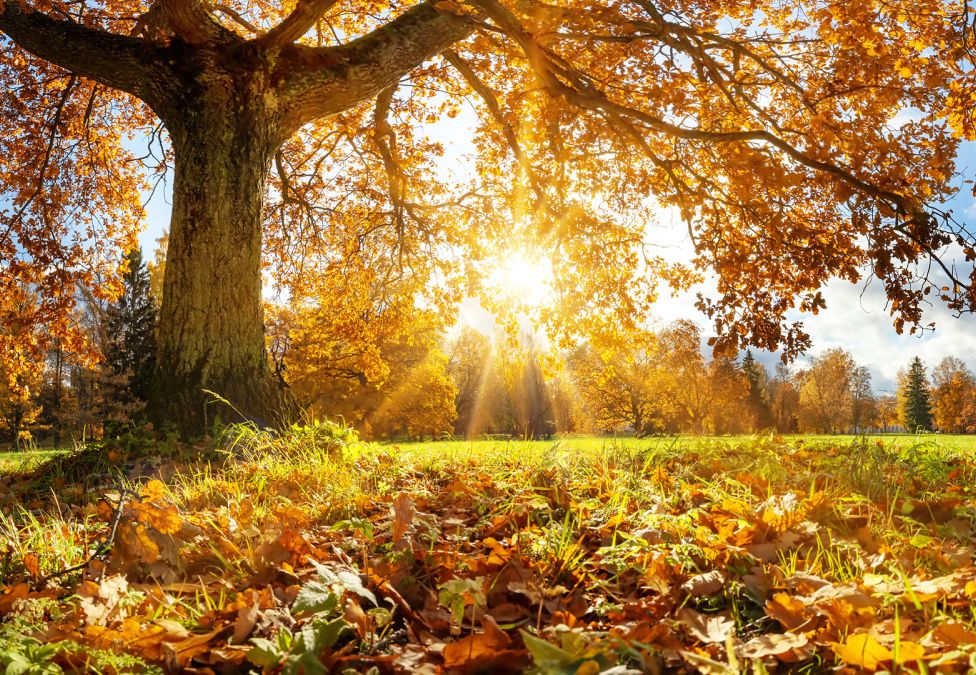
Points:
(621, 383)
(826, 396)
(863, 404)
(777, 153)
(345, 346)
(130, 350)
(953, 391)
(469, 359)
(19, 407)
(759, 404)
(785, 402)
(914, 398)
(888, 415)
(419, 406)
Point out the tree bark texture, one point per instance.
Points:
(211, 361)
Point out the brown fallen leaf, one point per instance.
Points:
(32, 564)
(707, 628)
(953, 634)
(247, 618)
(772, 644)
(16, 593)
(790, 612)
(403, 515)
(708, 583)
(481, 651)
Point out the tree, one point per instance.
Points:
(421, 405)
(785, 398)
(621, 383)
(826, 393)
(469, 360)
(130, 352)
(18, 406)
(953, 388)
(758, 401)
(863, 403)
(777, 152)
(887, 414)
(914, 398)
(344, 348)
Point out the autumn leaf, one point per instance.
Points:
(7, 600)
(772, 644)
(404, 511)
(32, 564)
(707, 628)
(708, 583)
(480, 651)
(862, 650)
(790, 612)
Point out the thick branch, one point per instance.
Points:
(327, 80)
(187, 20)
(116, 61)
(296, 24)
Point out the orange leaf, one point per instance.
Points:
(154, 490)
(16, 593)
(33, 565)
(403, 511)
(478, 651)
(790, 612)
(862, 650)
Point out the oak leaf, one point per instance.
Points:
(862, 650)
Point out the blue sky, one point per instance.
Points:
(855, 318)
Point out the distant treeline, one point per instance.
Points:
(396, 373)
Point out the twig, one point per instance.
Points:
(101, 550)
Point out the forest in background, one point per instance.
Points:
(415, 377)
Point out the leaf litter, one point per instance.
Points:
(758, 556)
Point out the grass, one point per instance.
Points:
(18, 462)
(589, 553)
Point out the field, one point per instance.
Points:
(590, 444)
(310, 553)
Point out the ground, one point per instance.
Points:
(310, 552)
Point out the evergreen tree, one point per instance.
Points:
(759, 400)
(916, 408)
(131, 331)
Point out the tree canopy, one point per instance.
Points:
(300, 136)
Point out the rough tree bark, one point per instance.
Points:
(211, 329)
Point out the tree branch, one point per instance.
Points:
(323, 81)
(296, 24)
(187, 20)
(116, 61)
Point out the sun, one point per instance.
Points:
(521, 278)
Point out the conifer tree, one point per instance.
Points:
(131, 328)
(913, 394)
(759, 403)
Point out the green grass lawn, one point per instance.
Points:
(14, 461)
(598, 444)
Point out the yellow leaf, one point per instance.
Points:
(154, 490)
(909, 651)
(862, 650)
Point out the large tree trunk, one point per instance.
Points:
(211, 327)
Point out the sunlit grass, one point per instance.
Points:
(590, 513)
